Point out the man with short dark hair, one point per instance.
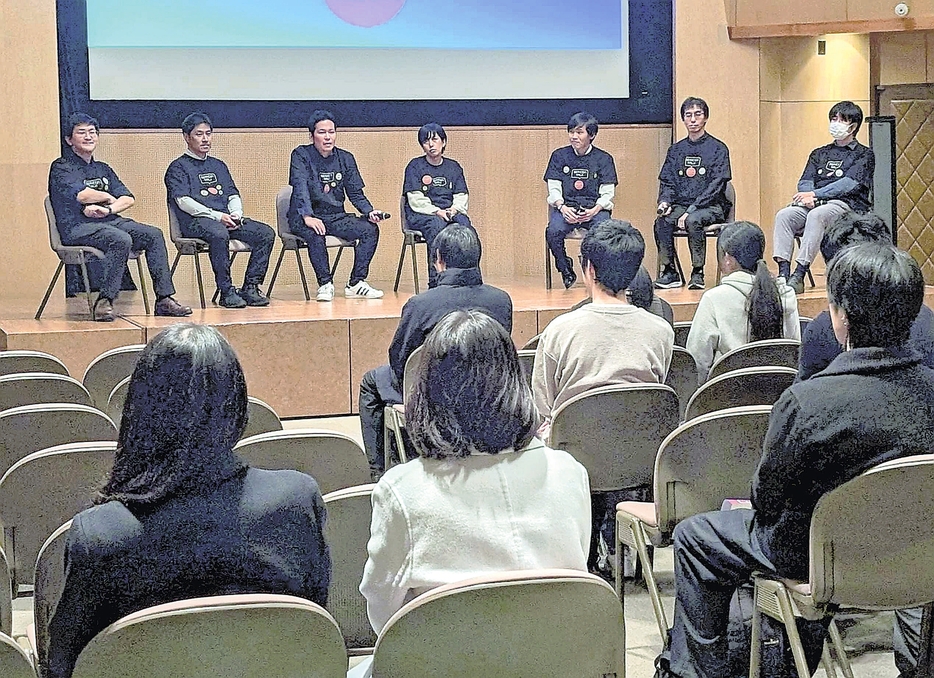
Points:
(456, 256)
(691, 194)
(207, 204)
(87, 196)
(321, 175)
(837, 178)
(581, 182)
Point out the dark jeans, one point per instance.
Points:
(256, 234)
(375, 393)
(430, 226)
(907, 643)
(117, 237)
(348, 227)
(714, 554)
(558, 229)
(697, 241)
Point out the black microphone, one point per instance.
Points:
(382, 216)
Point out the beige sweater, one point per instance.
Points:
(599, 345)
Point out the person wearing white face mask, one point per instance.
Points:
(837, 178)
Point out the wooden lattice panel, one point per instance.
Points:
(914, 141)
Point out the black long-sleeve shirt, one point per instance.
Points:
(695, 174)
(320, 185)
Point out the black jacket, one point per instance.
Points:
(868, 406)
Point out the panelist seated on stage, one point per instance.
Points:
(321, 176)
(87, 198)
(207, 203)
(581, 182)
(691, 194)
(435, 190)
(837, 178)
(456, 258)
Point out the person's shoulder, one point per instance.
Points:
(102, 528)
(561, 152)
(178, 164)
(714, 141)
(415, 163)
(215, 162)
(344, 155)
(562, 461)
(280, 486)
(599, 153)
(496, 291)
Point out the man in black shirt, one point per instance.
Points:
(87, 196)
(837, 178)
(691, 194)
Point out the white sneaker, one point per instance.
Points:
(362, 290)
(326, 292)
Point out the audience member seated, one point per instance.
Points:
(748, 304)
(435, 190)
(180, 515)
(837, 178)
(484, 495)
(456, 258)
(610, 341)
(819, 346)
(581, 182)
(873, 403)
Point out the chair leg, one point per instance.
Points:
(843, 661)
(87, 286)
(395, 286)
(678, 266)
(175, 263)
(755, 644)
(642, 552)
(301, 273)
(827, 662)
(142, 283)
(547, 266)
(337, 260)
(400, 443)
(200, 280)
(811, 278)
(415, 265)
(791, 630)
(389, 420)
(620, 592)
(48, 292)
(275, 273)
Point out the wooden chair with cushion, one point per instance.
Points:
(347, 531)
(14, 662)
(261, 418)
(333, 459)
(49, 584)
(108, 369)
(14, 362)
(33, 388)
(768, 352)
(682, 329)
(267, 635)
(542, 623)
(576, 234)
(410, 238)
(711, 231)
(702, 462)
(116, 399)
(527, 361)
(682, 376)
(747, 386)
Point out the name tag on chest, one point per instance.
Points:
(97, 183)
(207, 178)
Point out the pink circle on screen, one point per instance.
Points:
(365, 13)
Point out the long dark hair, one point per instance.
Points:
(185, 409)
(470, 393)
(745, 242)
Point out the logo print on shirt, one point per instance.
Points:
(326, 177)
(580, 173)
(440, 182)
(97, 183)
(207, 178)
(692, 162)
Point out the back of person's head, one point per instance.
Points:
(470, 393)
(851, 228)
(585, 120)
(317, 116)
(76, 119)
(615, 249)
(641, 290)
(849, 112)
(745, 242)
(185, 410)
(695, 102)
(431, 130)
(192, 120)
(458, 247)
(880, 289)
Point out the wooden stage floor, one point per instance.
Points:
(303, 358)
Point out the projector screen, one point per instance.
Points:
(357, 49)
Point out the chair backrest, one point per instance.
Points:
(15, 362)
(411, 369)
(769, 352)
(28, 429)
(32, 388)
(43, 490)
(706, 460)
(545, 623)
(682, 376)
(14, 662)
(117, 398)
(730, 195)
(49, 584)
(175, 229)
(283, 198)
(108, 369)
(871, 538)
(6, 595)
(532, 343)
(261, 418)
(747, 386)
(265, 635)
(347, 531)
(682, 329)
(804, 321)
(55, 238)
(403, 216)
(615, 431)
(527, 361)
(333, 459)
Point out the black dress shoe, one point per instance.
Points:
(167, 306)
(569, 278)
(231, 299)
(104, 310)
(252, 295)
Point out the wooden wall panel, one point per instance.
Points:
(864, 10)
(766, 12)
(902, 57)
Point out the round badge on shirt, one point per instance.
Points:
(691, 171)
(426, 179)
(579, 185)
(338, 176)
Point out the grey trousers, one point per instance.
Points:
(809, 224)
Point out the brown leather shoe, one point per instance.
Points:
(168, 306)
(104, 310)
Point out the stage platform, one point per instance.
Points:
(303, 358)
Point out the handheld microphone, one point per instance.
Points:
(382, 216)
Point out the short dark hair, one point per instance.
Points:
(470, 394)
(317, 116)
(616, 250)
(745, 242)
(76, 119)
(691, 102)
(185, 410)
(195, 119)
(429, 130)
(880, 288)
(852, 228)
(849, 111)
(458, 246)
(585, 120)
